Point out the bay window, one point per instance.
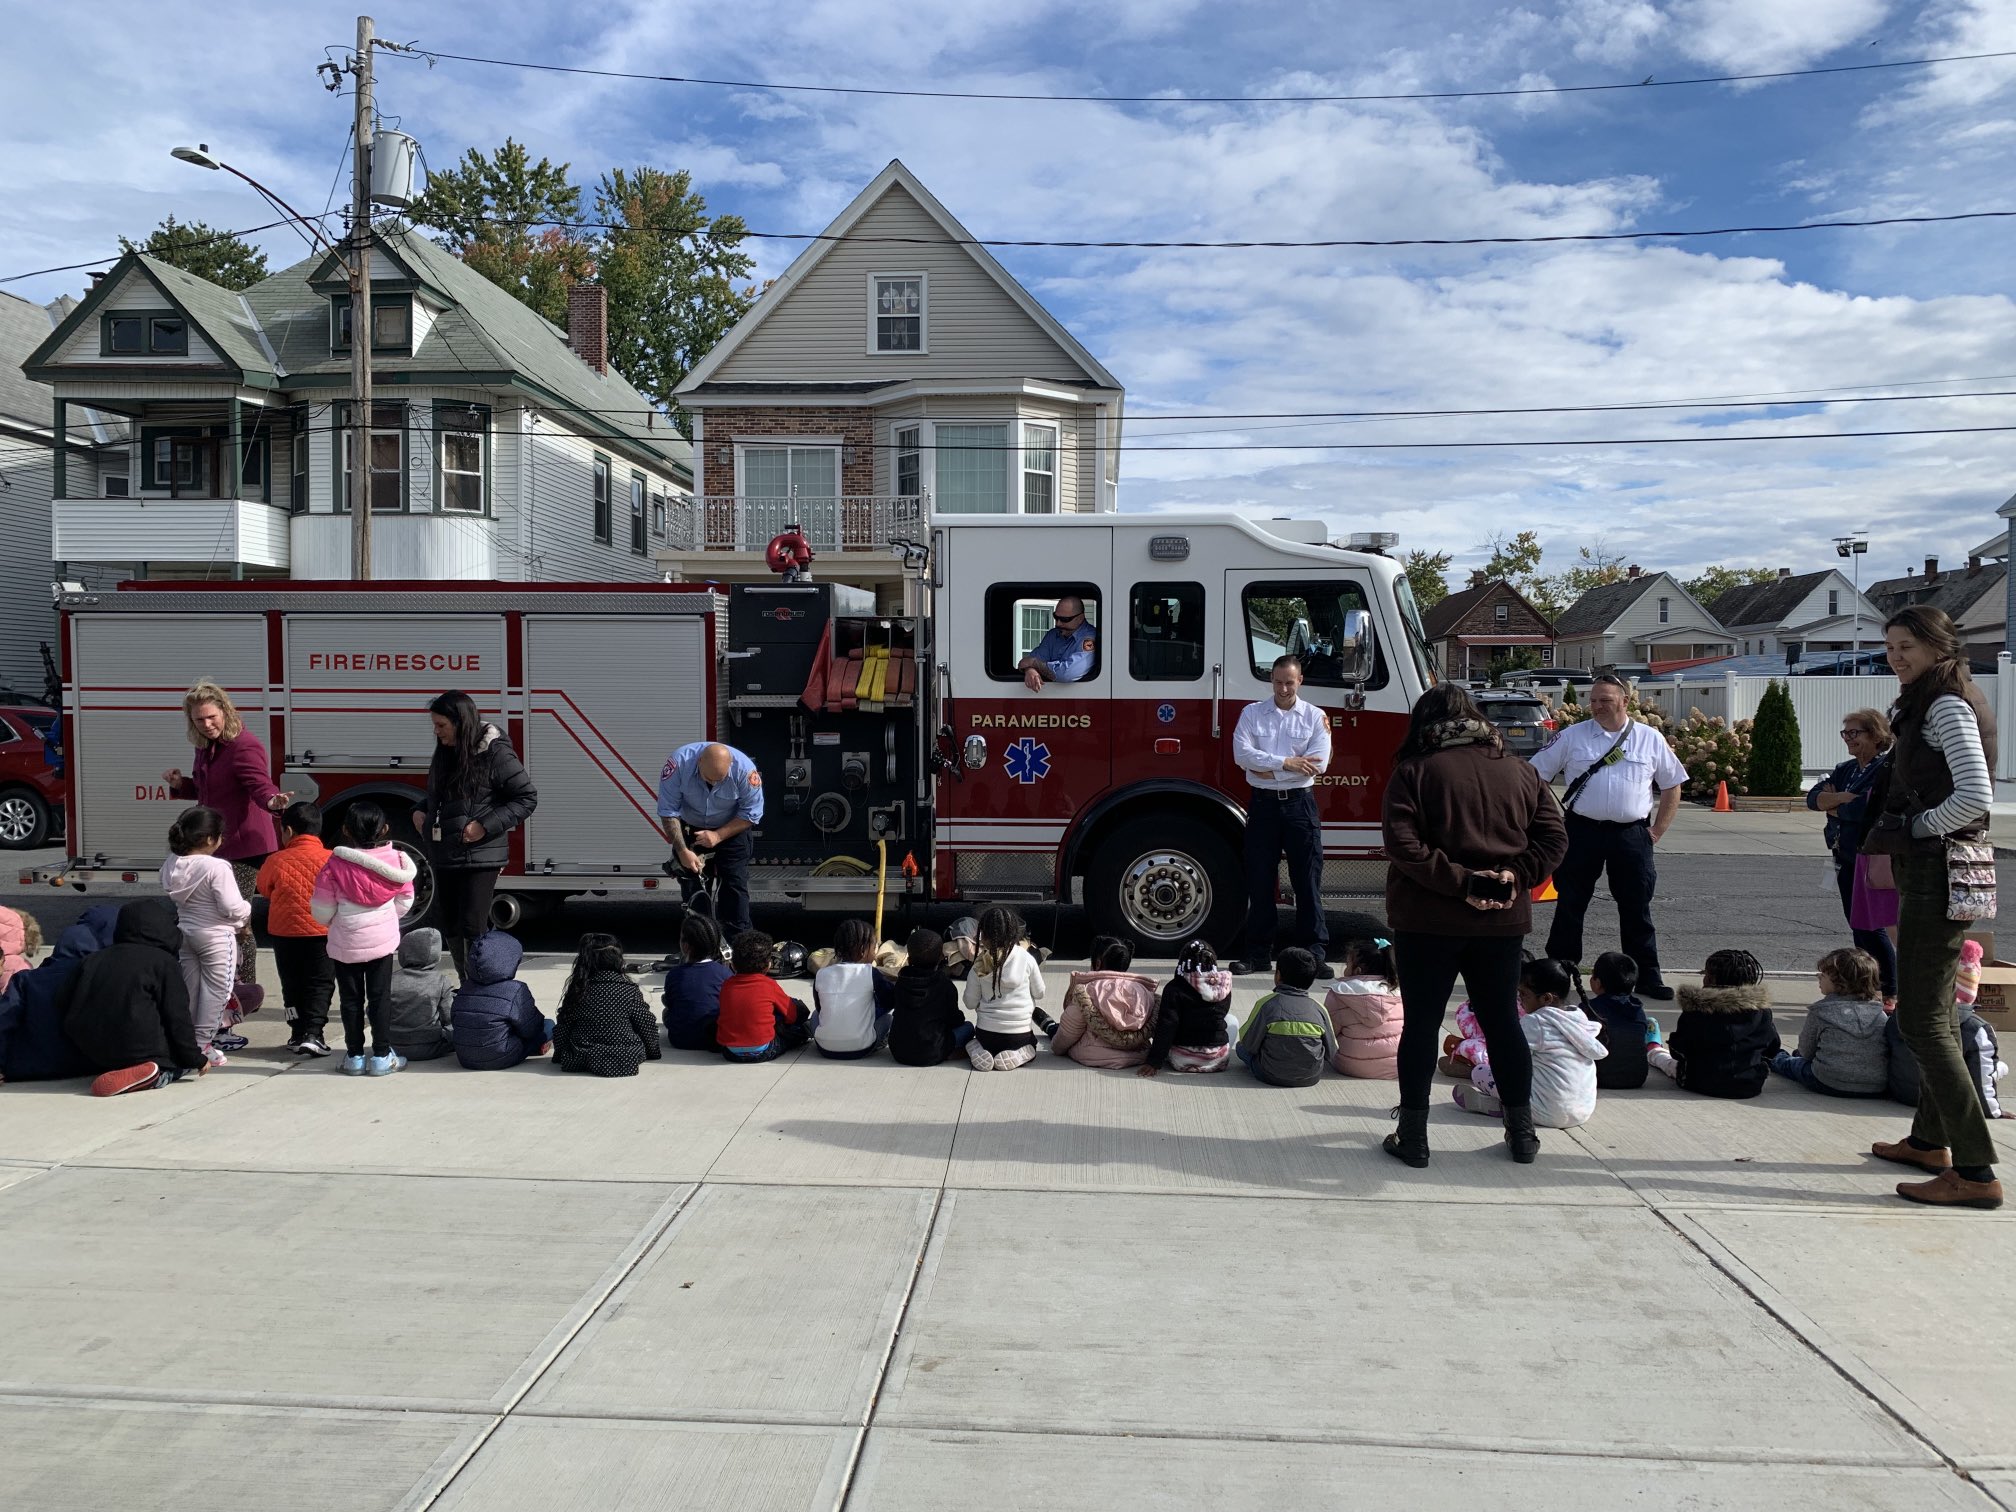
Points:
(385, 458)
(972, 466)
(1039, 469)
(462, 453)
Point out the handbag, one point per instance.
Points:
(1970, 880)
(1871, 906)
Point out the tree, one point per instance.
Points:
(1518, 659)
(672, 276)
(1596, 566)
(1517, 561)
(194, 248)
(1716, 581)
(1775, 764)
(486, 208)
(1425, 576)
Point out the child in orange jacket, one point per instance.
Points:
(300, 943)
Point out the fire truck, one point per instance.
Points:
(903, 756)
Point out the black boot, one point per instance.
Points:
(1410, 1141)
(1519, 1136)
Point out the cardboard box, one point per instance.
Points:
(1997, 1000)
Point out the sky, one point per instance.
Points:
(92, 101)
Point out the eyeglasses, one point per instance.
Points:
(1853, 730)
(1066, 619)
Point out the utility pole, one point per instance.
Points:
(360, 310)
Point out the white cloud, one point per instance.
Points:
(1745, 36)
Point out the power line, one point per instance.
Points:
(215, 236)
(1164, 99)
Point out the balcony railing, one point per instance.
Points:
(853, 522)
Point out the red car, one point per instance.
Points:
(31, 787)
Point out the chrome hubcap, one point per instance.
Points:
(423, 878)
(17, 820)
(1165, 895)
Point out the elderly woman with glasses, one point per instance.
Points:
(1843, 796)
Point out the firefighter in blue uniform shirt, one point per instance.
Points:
(1065, 654)
(710, 797)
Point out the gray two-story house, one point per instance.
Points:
(1642, 622)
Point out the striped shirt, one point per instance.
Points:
(1952, 730)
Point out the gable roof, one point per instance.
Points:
(1600, 608)
(221, 318)
(1766, 603)
(895, 174)
(24, 326)
(1955, 590)
(1441, 619)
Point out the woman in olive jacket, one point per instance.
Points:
(1468, 832)
(477, 793)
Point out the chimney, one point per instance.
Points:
(588, 324)
(1631, 571)
(97, 277)
(1931, 567)
(1784, 572)
(1973, 565)
(1477, 578)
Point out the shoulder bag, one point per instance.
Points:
(1575, 788)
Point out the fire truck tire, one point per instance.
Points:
(1161, 885)
(24, 819)
(399, 819)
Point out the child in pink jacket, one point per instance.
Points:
(1364, 1009)
(361, 895)
(210, 911)
(1109, 1011)
(20, 938)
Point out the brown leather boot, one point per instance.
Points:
(1950, 1189)
(1934, 1161)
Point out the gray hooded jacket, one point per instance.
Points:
(421, 995)
(1843, 1037)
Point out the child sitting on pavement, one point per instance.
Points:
(1288, 1042)
(128, 1009)
(1003, 990)
(20, 940)
(1109, 1011)
(286, 880)
(1978, 1045)
(1723, 1044)
(422, 1000)
(1842, 1051)
(692, 995)
(1565, 1047)
(33, 1046)
(495, 1021)
(1628, 1032)
(927, 1025)
(1195, 1028)
(603, 1026)
(759, 1019)
(854, 997)
(1364, 1009)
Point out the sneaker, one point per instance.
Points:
(128, 1079)
(1008, 1060)
(385, 1065)
(311, 1046)
(1476, 1100)
(353, 1065)
(982, 1059)
(232, 1016)
(225, 1041)
(1325, 971)
(214, 1056)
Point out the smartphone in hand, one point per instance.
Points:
(1488, 889)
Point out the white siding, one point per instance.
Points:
(135, 292)
(560, 485)
(819, 331)
(1642, 618)
(402, 546)
(27, 483)
(1077, 438)
(201, 532)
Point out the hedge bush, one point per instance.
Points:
(1775, 769)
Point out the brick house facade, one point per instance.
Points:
(1484, 621)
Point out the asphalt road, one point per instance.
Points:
(1772, 905)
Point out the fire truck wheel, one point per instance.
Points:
(1162, 885)
(24, 819)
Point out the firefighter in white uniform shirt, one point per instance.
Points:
(1283, 745)
(1623, 791)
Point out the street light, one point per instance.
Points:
(1855, 546)
(202, 157)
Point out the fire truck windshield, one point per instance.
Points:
(1417, 634)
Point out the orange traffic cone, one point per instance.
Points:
(1722, 798)
(1545, 893)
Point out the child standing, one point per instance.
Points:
(693, 986)
(1109, 1012)
(1628, 1032)
(603, 1027)
(1842, 1051)
(286, 881)
(855, 999)
(127, 1012)
(1364, 1009)
(926, 1025)
(1289, 1040)
(494, 1019)
(759, 1019)
(422, 999)
(1195, 1028)
(211, 911)
(1723, 1044)
(1565, 1047)
(20, 938)
(1003, 990)
(361, 895)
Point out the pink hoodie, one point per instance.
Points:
(1366, 1014)
(361, 895)
(1108, 1019)
(13, 945)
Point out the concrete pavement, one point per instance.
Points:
(817, 1284)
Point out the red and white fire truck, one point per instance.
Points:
(901, 753)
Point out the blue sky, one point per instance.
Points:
(1232, 332)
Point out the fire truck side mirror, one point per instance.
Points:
(974, 752)
(1356, 654)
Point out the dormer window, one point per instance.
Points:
(896, 313)
(143, 334)
(391, 322)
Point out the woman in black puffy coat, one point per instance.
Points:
(604, 1027)
(477, 793)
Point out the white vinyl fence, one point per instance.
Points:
(1821, 703)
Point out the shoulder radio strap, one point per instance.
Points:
(1575, 788)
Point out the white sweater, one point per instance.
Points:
(1006, 1005)
(205, 891)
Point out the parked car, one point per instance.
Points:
(32, 787)
(1526, 723)
(18, 698)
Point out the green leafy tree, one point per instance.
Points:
(488, 212)
(674, 275)
(1516, 559)
(1596, 566)
(1425, 575)
(195, 248)
(1518, 659)
(1716, 581)
(1775, 765)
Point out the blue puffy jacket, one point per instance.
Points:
(33, 1046)
(693, 1004)
(496, 1024)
